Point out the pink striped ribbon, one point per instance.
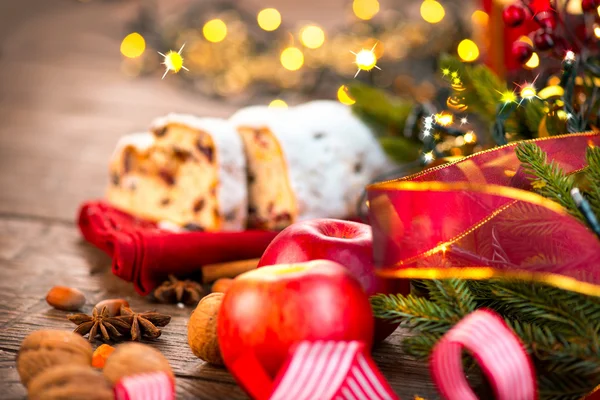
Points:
(498, 351)
(331, 370)
(151, 386)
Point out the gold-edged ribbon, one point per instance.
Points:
(476, 218)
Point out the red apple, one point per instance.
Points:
(266, 311)
(345, 242)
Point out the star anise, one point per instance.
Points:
(176, 291)
(143, 324)
(99, 323)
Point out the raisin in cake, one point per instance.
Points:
(189, 171)
(306, 162)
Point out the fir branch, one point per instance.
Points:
(592, 174)
(556, 387)
(416, 313)
(549, 179)
(452, 293)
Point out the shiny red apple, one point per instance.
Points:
(266, 311)
(345, 242)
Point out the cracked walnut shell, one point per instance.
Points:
(46, 348)
(202, 329)
(70, 382)
(135, 358)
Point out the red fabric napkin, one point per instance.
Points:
(146, 255)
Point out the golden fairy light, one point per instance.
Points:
(551, 91)
(278, 103)
(508, 97)
(480, 18)
(133, 45)
(428, 157)
(597, 31)
(292, 58)
(468, 50)
(365, 9)
(312, 36)
(534, 61)
(444, 119)
(344, 97)
(570, 56)
(215, 30)
(464, 121)
(445, 71)
(432, 11)
(365, 60)
(269, 19)
(528, 91)
(173, 61)
(470, 137)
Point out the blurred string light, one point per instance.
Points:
(597, 31)
(215, 30)
(432, 11)
(365, 9)
(292, 58)
(470, 137)
(269, 19)
(468, 50)
(551, 91)
(173, 61)
(444, 119)
(133, 45)
(533, 62)
(278, 103)
(312, 36)
(480, 18)
(344, 97)
(365, 60)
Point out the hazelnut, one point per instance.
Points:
(112, 305)
(70, 382)
(202, 329)
(65, 298)
(221, 285)
(135, 358)
(46, 348)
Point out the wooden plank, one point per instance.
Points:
(50, 253)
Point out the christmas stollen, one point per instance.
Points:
(305, 162)
(189, 171)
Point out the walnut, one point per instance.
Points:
(46, 348)
(202, 329)
(135, 358)
(70, 382)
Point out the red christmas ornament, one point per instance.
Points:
(543, 40)
(514, 15)
(589, 5)
(521, 51)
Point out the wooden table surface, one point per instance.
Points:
(63, 104)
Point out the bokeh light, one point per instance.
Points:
(215, 30)
(278, 103)
(312, 36)
(292, 58)
(133, 45)
(269, 19)
(480, 18)
(528, 92)
(432, 11)
(344, 97)
(468, 50)
(470, 137)
(365, 9)
(533, 62)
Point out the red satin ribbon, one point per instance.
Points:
(477, 219)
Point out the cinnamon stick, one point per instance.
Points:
(212, 272)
